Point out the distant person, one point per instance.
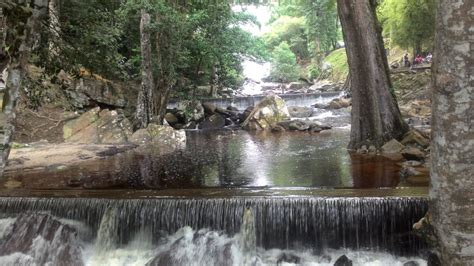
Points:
(429, 58)
(406, 61)
(418, 59)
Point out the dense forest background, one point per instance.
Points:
(202, 43)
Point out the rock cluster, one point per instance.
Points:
(197, 115)
(414, 150)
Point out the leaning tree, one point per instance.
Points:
(376, 118)
(452, 146)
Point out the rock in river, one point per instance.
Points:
(343, 261)
(215, 121)
(40, 239)
(163, 137)
(267, 114)
(300, 112)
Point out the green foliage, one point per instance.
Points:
(314, 71)
(192, 36)
(323, 25)
(89, 36)
(311, 27)
(335, 66)
(409, 23)
(291, 30)
(284, 67)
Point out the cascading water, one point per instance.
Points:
(221, 231)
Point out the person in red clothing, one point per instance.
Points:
(418, 60)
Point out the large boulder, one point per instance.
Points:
(300, 112)
(98, 126)
(215, 121)
(340, 103)
(163, 137)
(209, 108)
(89, 90)
(39, 239)
(267, 114)
(191, 111)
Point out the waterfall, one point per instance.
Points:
(380, 224)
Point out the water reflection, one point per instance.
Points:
(228, 158)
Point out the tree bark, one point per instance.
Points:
(213, 81)
(145, 100)
(17, 20)
(54, 26)
(376, 118)
(452, 146)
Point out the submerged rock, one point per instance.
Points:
(39, 239)
(300, 112)
(267, 114)
(215, 121)
(298, 125)
(288, 258)
(196, 248)
(99, 127)
(343, 261)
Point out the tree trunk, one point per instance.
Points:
(54, 26)
(2, 36)
(20, 47)
(376, 118)
(145, 100)
(452, 146)
(213, 81)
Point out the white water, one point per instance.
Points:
(254, 71)
(185, 247)
(214, 248)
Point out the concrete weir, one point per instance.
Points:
(379, 220)
(241, 103)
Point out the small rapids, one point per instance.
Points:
(205, 247)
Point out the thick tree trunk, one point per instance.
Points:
(145, 100)
(452, 150)
(376, 118)
(20, 45)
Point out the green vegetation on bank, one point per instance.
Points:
(335, 66)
